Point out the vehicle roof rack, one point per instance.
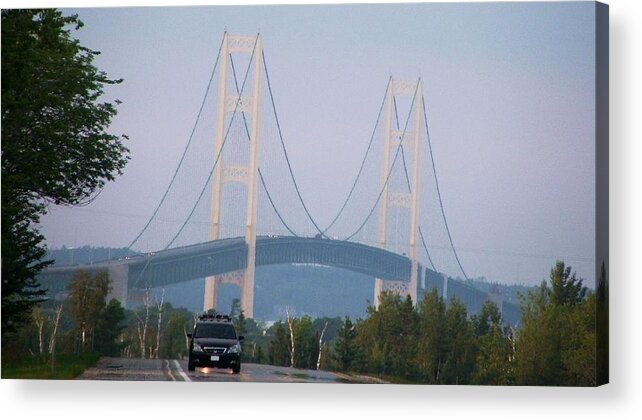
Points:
(217, 317)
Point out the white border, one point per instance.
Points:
(620, 399)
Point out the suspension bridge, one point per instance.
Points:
(233, 202)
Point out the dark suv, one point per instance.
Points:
(214, 343)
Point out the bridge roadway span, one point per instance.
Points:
(227, 255)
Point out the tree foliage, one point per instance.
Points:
(557, 340)
(55, 148)
(345, 348)
(86, 302)
(437, 342)
(109, 326)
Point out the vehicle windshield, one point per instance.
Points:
(215, 331)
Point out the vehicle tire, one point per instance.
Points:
(190, 366)
(236, 368)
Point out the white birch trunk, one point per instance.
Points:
(158, 326)
(54, 332)
(39, 319)
(292, 346)
(321, 344)
(142, 325)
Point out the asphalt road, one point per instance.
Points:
(119, 369)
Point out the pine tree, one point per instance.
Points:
(344, 347)
(556, 342)
(108, 328)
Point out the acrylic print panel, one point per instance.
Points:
(388, 194)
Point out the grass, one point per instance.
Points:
(67, 366)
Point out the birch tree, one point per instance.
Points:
(143, 323)
(86, 301)
(39, 319)
(159, 323)
(321, 344)
(290, 322)
(54, 329)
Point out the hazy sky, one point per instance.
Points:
(509, 88)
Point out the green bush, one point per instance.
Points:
(67, 366)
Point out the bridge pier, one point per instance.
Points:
(244, 173)
(406, 197)
(212, 284)
(211, 293)
(119, 277)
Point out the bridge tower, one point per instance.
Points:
(390, 198)
(248, 104)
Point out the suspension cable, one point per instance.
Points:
(441, 205)
(403, 154)
(423, 242)
(189, 141)
(363, 162)
(247, 131)
(218, 155)
(383, 187)
(405, 169)
(285, 153)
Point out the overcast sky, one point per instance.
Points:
(509, 87)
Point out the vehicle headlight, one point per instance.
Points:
(197, 347)
(236, 348)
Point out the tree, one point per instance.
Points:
(488, 316)
(432, 346)
(108, 329)
(55, 148)
(306, 339)
(556, 343)
(238, 317)
(565, 287)
(493, 363)
(460, 344)
(344, 347)
(173, 344)
(279, 349)
(86, 301)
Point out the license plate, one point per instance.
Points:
(214, 358)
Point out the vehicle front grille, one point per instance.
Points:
(215, 350)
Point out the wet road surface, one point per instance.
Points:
(118, 369)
